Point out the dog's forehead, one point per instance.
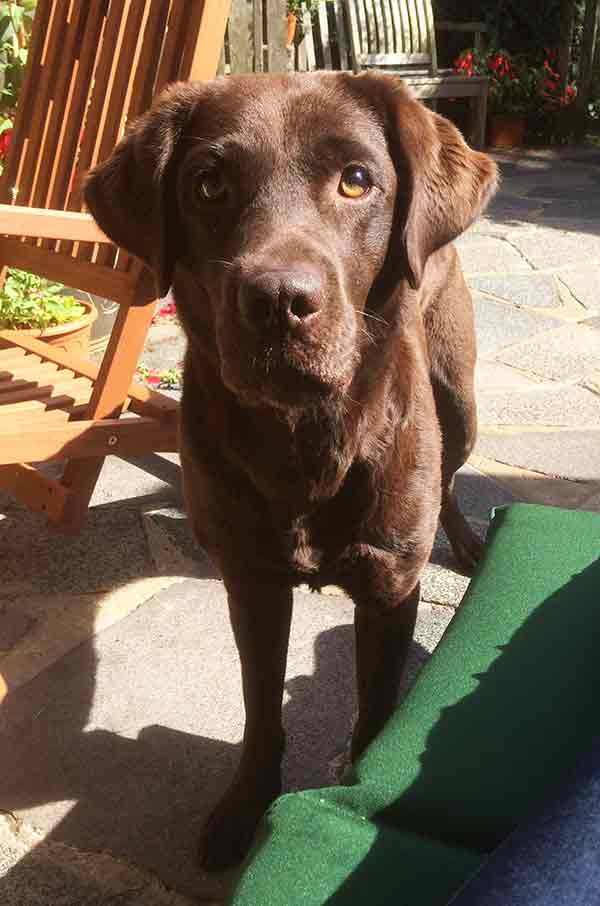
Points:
(284, 112)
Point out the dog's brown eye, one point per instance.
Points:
(211, 185)
(355, 181)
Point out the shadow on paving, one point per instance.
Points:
(555, 194)
(145, 798)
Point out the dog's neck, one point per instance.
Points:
(304, 454)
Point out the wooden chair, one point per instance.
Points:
(397, 36)
(92, 67)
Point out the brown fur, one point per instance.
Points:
(330, 339)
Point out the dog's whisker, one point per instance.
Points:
(368, 335)
(221, 261)
(367, 314)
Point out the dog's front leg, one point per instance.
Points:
(260, 612)
(383, 638)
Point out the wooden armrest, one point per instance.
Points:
(476, 27)
(45, 224)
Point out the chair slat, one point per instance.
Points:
(43, 418)
(388, 26)
(96, 112)
(77, 388)
(325, 38)
(380, 29)
(422, 27)
(308, 42)
(195, 16)
(145, 76)
(30, 376)
(11, 354)
(430, 25)
(47, 189)
(127, 53)
(341, 28)
(404, 44)
(362, 31)
(394, 14)
(65, 193)
(415, 44)
(383, 60)
(23, 116)
(173, 46)
(32, 158)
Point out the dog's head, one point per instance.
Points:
(288, 209)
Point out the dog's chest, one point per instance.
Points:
(314, 542)
(300, 550)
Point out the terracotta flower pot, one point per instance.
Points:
(292, 21)
(507, 130)
(73, 337)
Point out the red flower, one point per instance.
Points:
(570, 92)
(5, 141)
(153, 379)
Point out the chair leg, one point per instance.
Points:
(480, 111)
(108, 398)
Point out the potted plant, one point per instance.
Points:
(514, 92)
(43, 310)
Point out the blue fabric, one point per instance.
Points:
(553, 859)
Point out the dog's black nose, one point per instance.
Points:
(280, 299)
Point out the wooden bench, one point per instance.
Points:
(395, 36)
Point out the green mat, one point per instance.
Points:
(497, 717)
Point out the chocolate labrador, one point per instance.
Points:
(305, 223)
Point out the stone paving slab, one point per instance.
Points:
(529, 290)
(584, 283)
(165, 346)
(565, 354)
(511, 210)
(38, 630)
(560, 453)
(140, 729)
(499, 325)
(36, 873)
(155, 476)
(481, 254)
(490, 375)
(543, 405)
(536, 487)
(556, 249)
(578, 192)
(109, 552)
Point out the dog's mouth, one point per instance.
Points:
(287, 373)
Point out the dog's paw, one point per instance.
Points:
(468, 550)
(466, 545)
(229, 830)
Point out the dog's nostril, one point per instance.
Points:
(257, 309)
(302, 307)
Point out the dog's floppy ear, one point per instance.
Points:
(443, 184)
(129, 194)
